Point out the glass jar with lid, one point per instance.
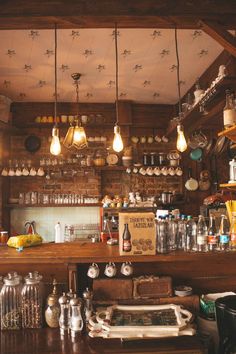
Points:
(31, 301)
(10, 304)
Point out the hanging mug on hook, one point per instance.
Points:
(93, 271)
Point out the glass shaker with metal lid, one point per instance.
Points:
(32, 301)
(52, 311)
(76, 321)
(10, 304)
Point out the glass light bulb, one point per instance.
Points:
(181, 144)
(55, 147)
(117, 141)
(79, 134)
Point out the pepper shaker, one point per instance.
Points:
(64, 318)
(88, 304)
(76, 321)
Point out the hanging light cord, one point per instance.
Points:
(117, 71)
(55, 75)
(77, 96)
(177, 70)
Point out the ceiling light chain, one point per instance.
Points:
(117, 141)
(181, 143)
(55, 147)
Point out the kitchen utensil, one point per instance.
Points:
(210, 147)
(196, 154)
(221, 145)
(191, 184)
(32, 143)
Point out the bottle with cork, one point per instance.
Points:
(126, 237)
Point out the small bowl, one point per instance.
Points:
(183, 290)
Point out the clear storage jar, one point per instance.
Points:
(10, 304)
(32, 301)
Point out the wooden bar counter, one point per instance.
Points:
(48, 340)
(205, 272)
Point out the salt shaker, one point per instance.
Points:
(76, 321)
(88, 304)
(65, 314)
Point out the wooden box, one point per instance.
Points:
(143, 233)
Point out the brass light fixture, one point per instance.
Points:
(75, 136)
(117, 141)
(181, 143)
(55, 147)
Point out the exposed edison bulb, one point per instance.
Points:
(117, 141)
(181, 144)
(55, 147)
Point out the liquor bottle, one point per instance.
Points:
(229, 112)
(190, 238)
(212, 238)
(233, 232)
(126, 237)
(201, 235)
(181, 235)
(224, 234)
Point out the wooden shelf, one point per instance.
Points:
(228, 185)
(19, 206)
(214, 105)
(229, 133)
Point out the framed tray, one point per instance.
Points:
(144, 318)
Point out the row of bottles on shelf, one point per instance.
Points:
(187, 235)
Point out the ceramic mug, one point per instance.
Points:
(171, 171)
(157, 171)
(142, 171)
(164, 171)
(25, 171)
(110, 270)
(179, 171)
(33, 171)
(18, 172)
(40, 172)
(11, 172)
(150, 171)
(126, 269)
(93, 271)
(4, 172)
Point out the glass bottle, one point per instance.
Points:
(161, 235)
(172, 233)
(212, 238)
(233, 232)
(52, 311)
(64, 319)
(181, 236)
(153, 159)
(229, 112)
(201, 235)
(191, 235)
(32, 302)
(224, 234)
(76, 321)
(146, 159)
(126, 238)
(10, 304)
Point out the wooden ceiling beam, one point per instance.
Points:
(220, 35)
(21, 14)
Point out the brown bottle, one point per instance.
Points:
(126, 237)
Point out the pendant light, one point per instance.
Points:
(181, 143)
(55, 147)
(117, 141)
(76, 136)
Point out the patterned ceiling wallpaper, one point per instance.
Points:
(147, 64)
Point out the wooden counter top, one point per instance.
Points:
(101, 253)
(48, 340)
